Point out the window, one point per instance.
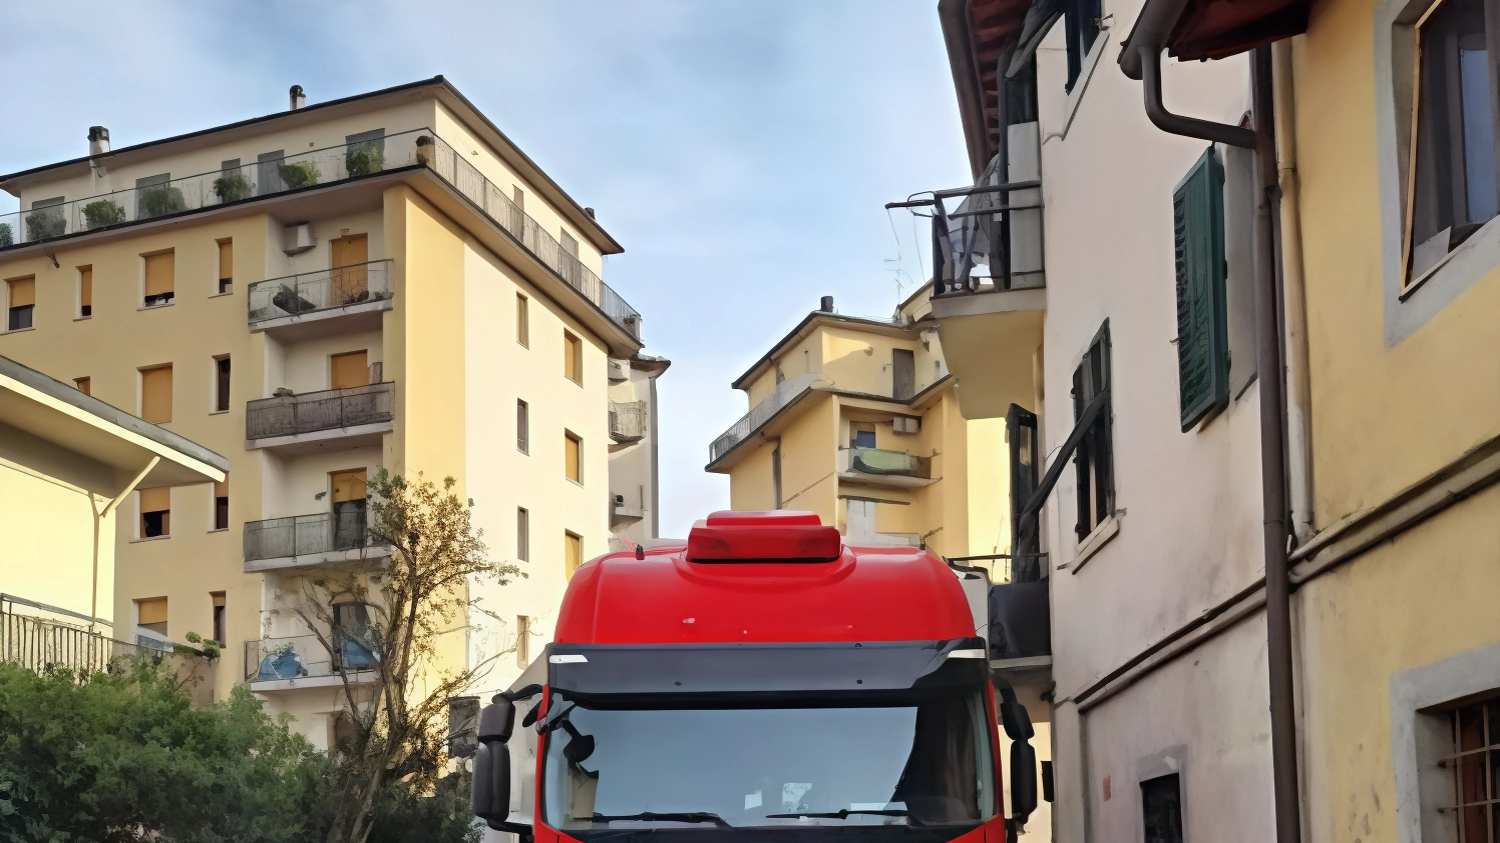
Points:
(1161, 809)
(22, 295)
(573, 551)
(523, 642)
(523, 534)
(156, 512)
(1475, 759)
(226, 266)
(1025, 476)
(523, 320)
(1095, 456)
(221, 384)
(573, 456)
(221, 505)
(1452, 176)
(1202, 318)
(156, 394)
(351, 631)
(523, 427)
(85, 385)
(218, 603)
(349, 502)
(151, 614)
(776, 475)
(85, 292)
(1081, 25)
(572, 357)
(861, 435)
(349, 258)
(161, 275)
(349, 370)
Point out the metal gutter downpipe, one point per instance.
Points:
(1177, 124)
(1273, 464)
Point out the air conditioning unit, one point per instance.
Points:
(906, 424)
(619, 370)
(298, 238)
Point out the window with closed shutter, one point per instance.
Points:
(152, 614)
(573, 456)
(22, 293)
(1202, 331)
(161, 276)
(573, 556)
(523, 320)
(572, 357)
(156, 394)
(156, 512)
(348, 370)
(226, 266)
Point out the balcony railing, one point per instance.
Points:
(627, 420)
(306, 535)
(311, 292)
(307, 169)
(881, 462)
(761, 413)
(304, 656)
(311, 412)
(38, 644)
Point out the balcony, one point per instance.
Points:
(878, 466)
(38, 644)
(627, 421)
(303, 661)
(353, 294)
(1020, 629)
(333, 419)
(310, 170)
(302, 541)
(786, 393)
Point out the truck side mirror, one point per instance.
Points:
(1022, 781)
(489, 795)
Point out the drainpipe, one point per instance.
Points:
(1294, 302)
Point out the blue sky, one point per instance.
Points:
(740, 150)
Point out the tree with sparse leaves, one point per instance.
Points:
(413, 603)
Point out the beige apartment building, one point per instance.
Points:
(858, 420)
(378, 282)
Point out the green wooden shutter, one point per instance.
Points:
(1202, 333)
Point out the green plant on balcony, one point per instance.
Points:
(300, 174)
(7, 236)
(46, 222)
(160, 200)
(232, 187)
(102, 212)
(364, 159)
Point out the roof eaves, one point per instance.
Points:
(796, 334)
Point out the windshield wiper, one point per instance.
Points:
(651, 816)
(844, 814)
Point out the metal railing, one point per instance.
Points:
(627, 419)
(996, 225)
(307, 169)
(490, 199)
(310, 412)
(310, 292)
(38, 644)
(306, 535)
(761, 413)
(881, 462)
(304, 656)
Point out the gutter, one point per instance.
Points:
(1140, 58)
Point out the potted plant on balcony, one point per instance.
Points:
(364, 159)
(160, 200)
(426, 151)
(7, 237)
(232, 186)
(300, 174)
(102, 212)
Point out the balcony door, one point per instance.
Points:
(348, 508)
(351, 278)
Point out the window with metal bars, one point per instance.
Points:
(1475, 764)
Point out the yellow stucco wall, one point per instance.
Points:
(49, 544)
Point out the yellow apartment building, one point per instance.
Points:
(383, 281)
(67, 463)
(858, 420)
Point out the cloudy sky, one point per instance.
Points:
(741, 150)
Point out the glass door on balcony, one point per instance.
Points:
(352, 632)
(348, 509)
(351, 281)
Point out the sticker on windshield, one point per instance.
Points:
(752, 800)
(791, 796)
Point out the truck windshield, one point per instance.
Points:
(911, 762)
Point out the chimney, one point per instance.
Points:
(98, 141)
(298, 98)
(826, 305)
(590, 212)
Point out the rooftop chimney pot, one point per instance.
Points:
(826, 305)
(298, 97)
(98, 140)
(590, 212)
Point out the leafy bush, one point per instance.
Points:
(46, 222)
(232, 187)
(363, 160)
(7, 237)
(161, 200)
(102, 212)
(300, 174)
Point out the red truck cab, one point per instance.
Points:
(763, 682)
